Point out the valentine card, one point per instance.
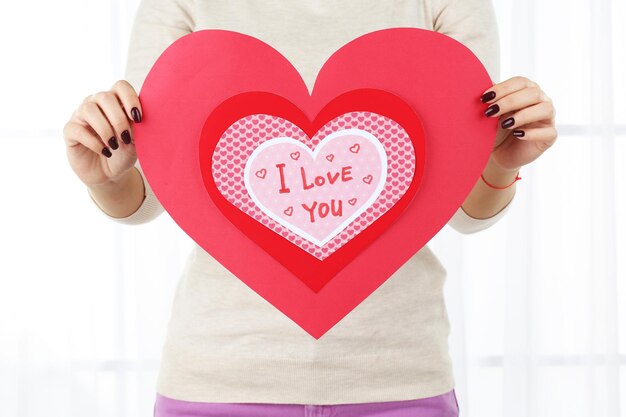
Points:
(314, 199)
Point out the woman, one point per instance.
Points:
(228, 351)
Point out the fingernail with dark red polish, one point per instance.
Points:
(126, 137)
(508, 123)
(491, 110)
(113, 143)
(136, 115)
(488, 96)
(106, 152)
(519, 133)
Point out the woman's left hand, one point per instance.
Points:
(526, 122)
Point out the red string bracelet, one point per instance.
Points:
(517, 177)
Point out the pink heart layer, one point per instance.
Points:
(315, 215)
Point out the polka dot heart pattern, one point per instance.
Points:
(316, 216)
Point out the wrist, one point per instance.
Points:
(498, 176)
(122, 197)
(113, 186)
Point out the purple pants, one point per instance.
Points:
(444, 405)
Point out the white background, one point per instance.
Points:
(536, 302)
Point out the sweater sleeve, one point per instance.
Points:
(466, 224)
(473, 23)
(157, 24)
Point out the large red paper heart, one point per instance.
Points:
(436, 76)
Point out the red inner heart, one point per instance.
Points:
(313, 272)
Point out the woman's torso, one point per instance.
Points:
(225, 343)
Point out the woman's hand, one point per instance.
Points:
(98, 135)
(526, 122)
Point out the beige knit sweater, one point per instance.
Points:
(224, 342)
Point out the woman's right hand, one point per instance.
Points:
(99, 134)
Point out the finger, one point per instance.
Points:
(538, 134)
(91, 114)
(76, 133)
(114, 113)
(515, 101)
(129, 99)
(538, 112)
(503, 89)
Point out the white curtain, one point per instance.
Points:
(536, 302)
